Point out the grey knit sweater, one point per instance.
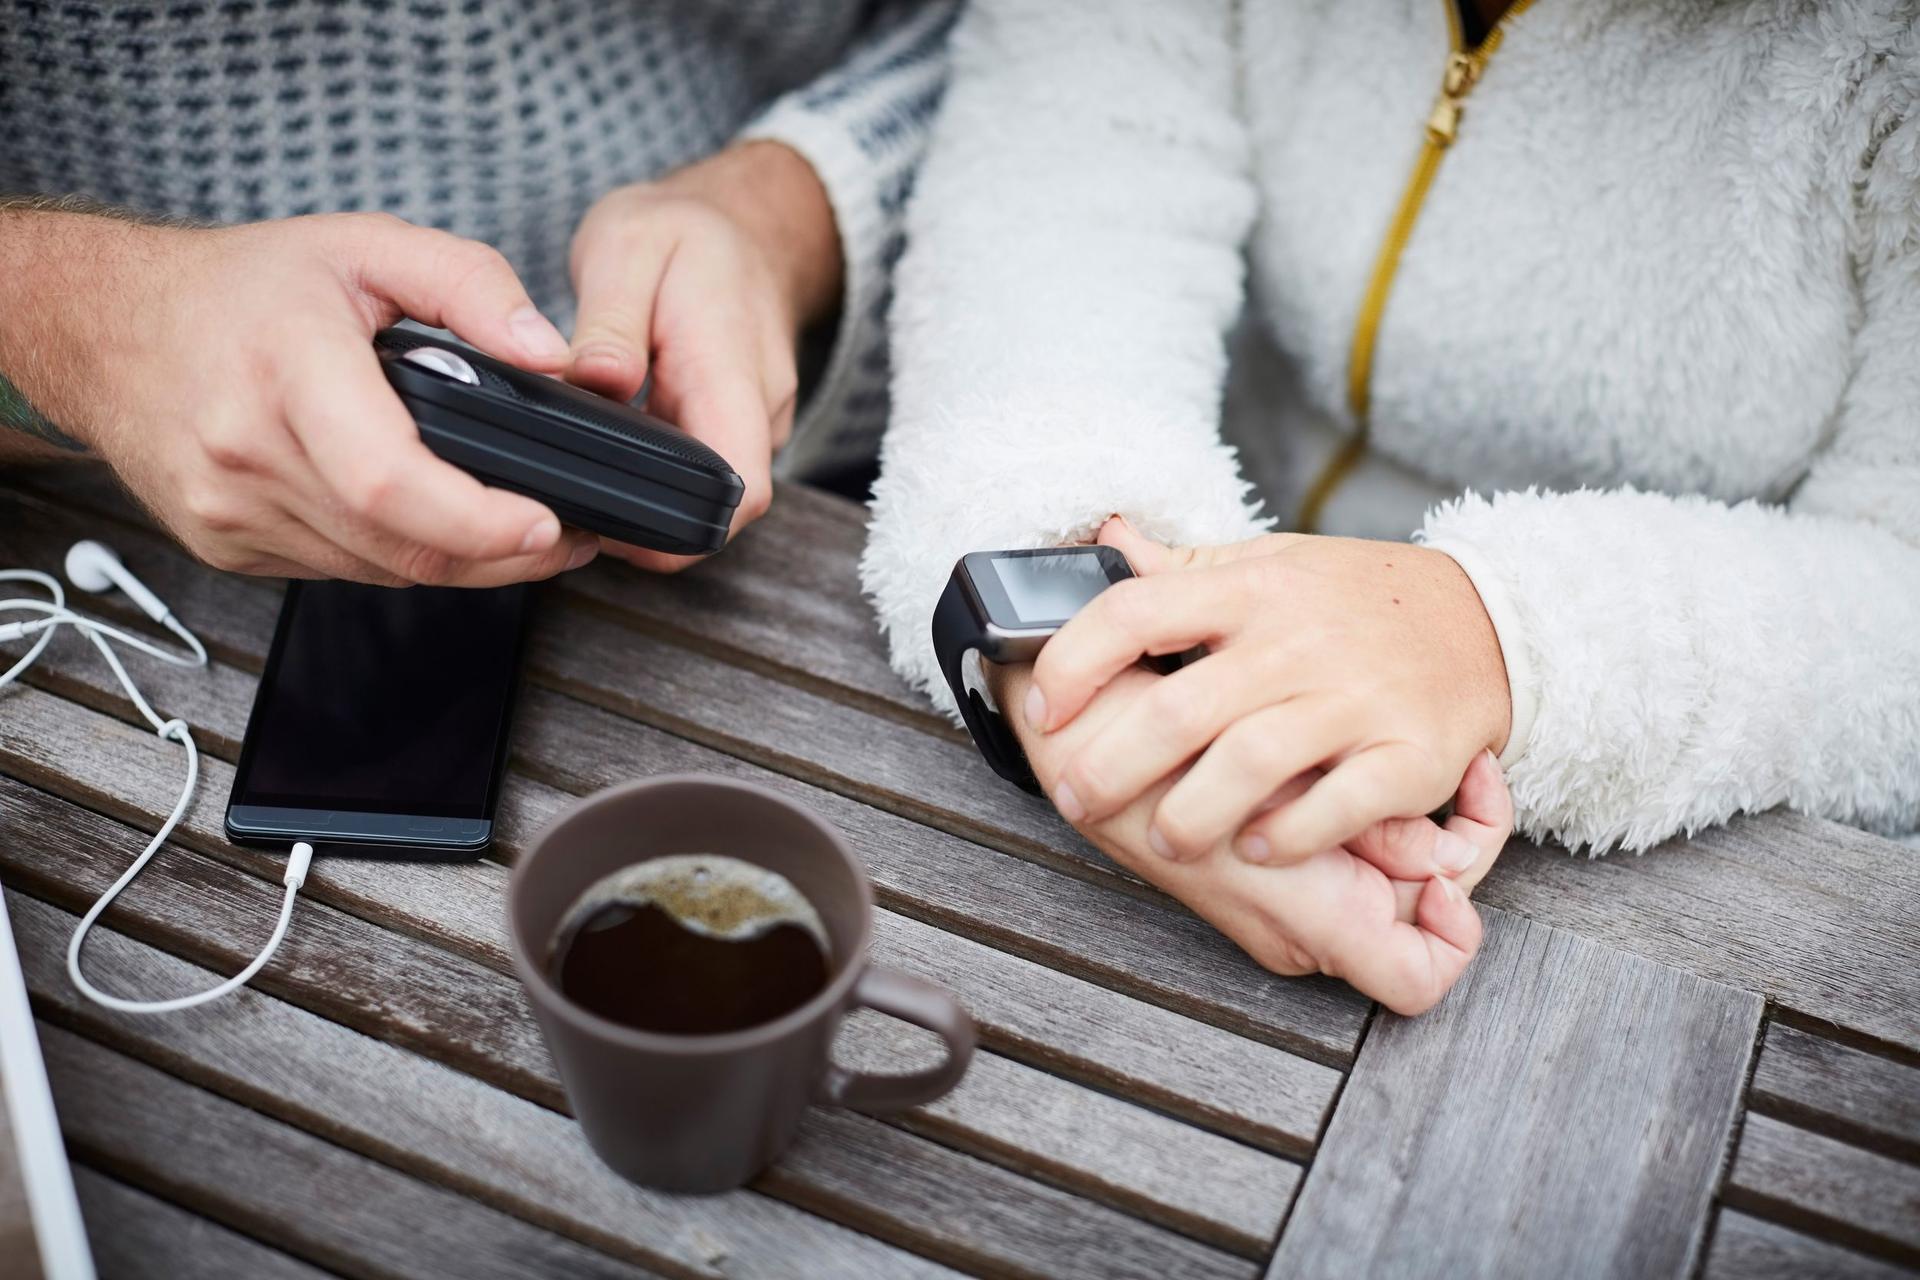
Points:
(496, 120)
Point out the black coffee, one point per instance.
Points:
(691, 945)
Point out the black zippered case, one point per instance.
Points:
(599, 464)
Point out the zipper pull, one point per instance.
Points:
(1463, 71)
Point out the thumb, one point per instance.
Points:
(1482, 815)
(1149, 557)
(1145, 555)
(441, 279)
(1451, 930)
(617, 280)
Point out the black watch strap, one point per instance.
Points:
(955, 632)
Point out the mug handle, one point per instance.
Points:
(893, 993)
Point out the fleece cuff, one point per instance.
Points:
(853, 189)
(1523, 683)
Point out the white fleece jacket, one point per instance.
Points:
(1663, 304)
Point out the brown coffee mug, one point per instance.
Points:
(707, 1112)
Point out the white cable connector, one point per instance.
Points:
(12, 631)
(297, 863)
(94, 567)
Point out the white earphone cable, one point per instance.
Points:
(55, 614)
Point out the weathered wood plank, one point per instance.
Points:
(1861, 1198)
(136, 1236)
(1074, 1028)
(1145, 1163)
(1747, 1248)
(1027, 1230)
(785, 599)
(1148, 947)
(214, 702)
(305, 1195)
(785, 596)
(456, 1131)
(1066, 1024)
(915, 870)
(1563, 1111)
(349, 970)
(437, 1123)
(1699, 919)
(40, 519)
(798, 575)
(1819, 918)
(1151, 948)
(933, 778)
(474, 1018)
(1853, 1095)
(135, 777)
(1137, 940)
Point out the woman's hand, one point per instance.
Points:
(707, 278)
(1404, 941)
(1371, 664)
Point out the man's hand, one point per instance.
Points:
(706, 279)
(1402, 941)
(1371, 663)
(228, 376)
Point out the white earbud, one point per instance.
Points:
(93, 566)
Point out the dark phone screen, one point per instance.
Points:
(385, 701)
(1049, 588)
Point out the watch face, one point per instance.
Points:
(1038, 590)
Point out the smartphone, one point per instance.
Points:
(598, 464)
(382, 719)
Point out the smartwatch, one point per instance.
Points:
(1003, 606)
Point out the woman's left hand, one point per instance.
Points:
(1372, 911)
(1373, 662)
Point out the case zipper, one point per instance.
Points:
(1463, 71)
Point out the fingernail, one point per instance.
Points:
(1454, 893)
(543, 534)
(1036, 709)
(1256, 849)
(1158, 843)
(536, 334)
(1454, 852)
(583, 554)
(1068, 804)
(604, 356)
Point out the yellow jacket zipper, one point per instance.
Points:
(1463, 71)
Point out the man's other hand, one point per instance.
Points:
(705, 279)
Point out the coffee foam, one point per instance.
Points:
(708, 893)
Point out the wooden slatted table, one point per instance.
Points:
(1703, 1061)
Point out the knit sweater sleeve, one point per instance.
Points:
(863, 127)
(1685, 660)
(1073, 263)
